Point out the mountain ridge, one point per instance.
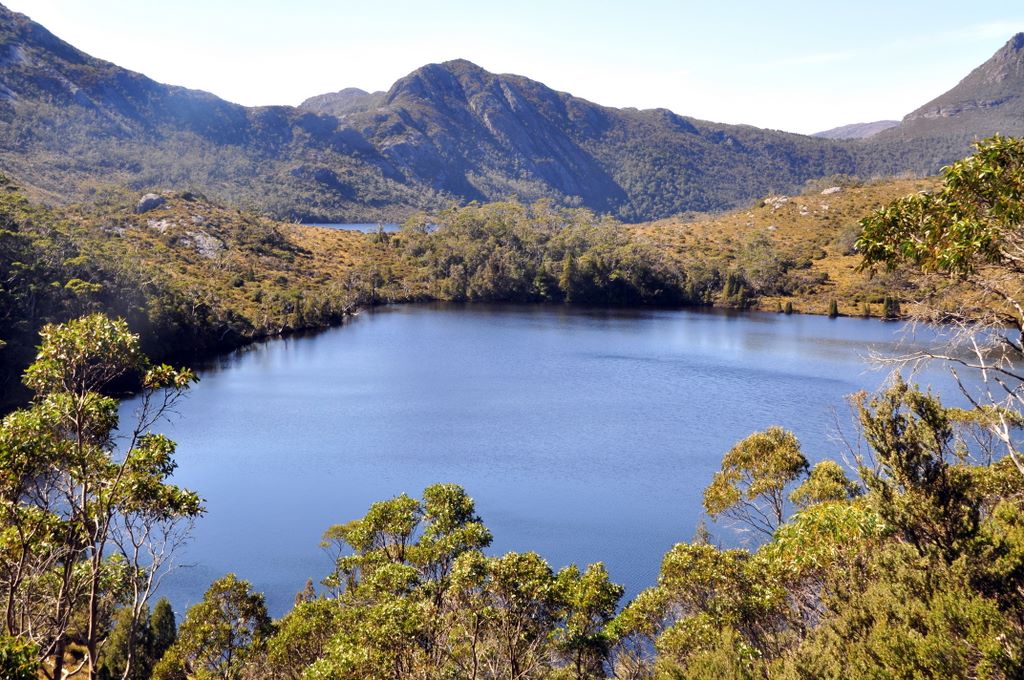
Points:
(857, 130)
(70, 123)
(989, 100)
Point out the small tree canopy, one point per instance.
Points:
(827, 482)
(220, 635)
(755, 472)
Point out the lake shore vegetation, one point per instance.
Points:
(905, 560)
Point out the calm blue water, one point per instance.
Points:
(583, 435)
(365, 227)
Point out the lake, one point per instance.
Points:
(364, 227)
(585, 435)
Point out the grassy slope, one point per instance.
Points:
(246, 264)
(818, 229)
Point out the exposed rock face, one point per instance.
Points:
(775, 202)
(149, 202)
(206, 245)
(989, 100)
(995, 84)
(161, 226)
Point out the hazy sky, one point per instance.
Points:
(800, 66)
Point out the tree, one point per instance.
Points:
(972, 231)
(163, 629)
(392, 584)
(826, 482)
(18, 659)
(129, 637)
(220, 636)
(93, 518)
(833, 308)
(750, 487)
(935, 504)
(413, 595)
(590, 599)
(890, 308)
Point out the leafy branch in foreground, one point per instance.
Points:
(972, 230)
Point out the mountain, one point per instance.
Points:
(480, 136)
(857, 130)
(989, 100)
(71, 124)
(343, 102)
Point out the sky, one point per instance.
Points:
(799, 66)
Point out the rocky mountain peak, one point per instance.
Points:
(996, 84)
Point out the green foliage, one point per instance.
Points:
(512, 252)
(974, 220)
(917, 573)
(899, 618)
(936, 505)
(129, 635)
(163, 629)
(826, 482)
(79, 511)
(301, 638)
(755, 473)
(890, 307)
(18, 659)
(220, 636)
(590, 600)
(821, 537)
(413, 595)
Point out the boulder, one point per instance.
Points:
(149, 202)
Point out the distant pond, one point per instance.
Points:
(364, 227)
(583, 434)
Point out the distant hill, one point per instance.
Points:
(70, 124)
(344, 102)
(857, 130)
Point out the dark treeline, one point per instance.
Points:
(510, 252)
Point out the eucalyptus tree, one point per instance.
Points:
(751, 484)
(90, 516)
(221, 637)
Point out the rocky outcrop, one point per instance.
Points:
(989, 100)
(149, 202)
